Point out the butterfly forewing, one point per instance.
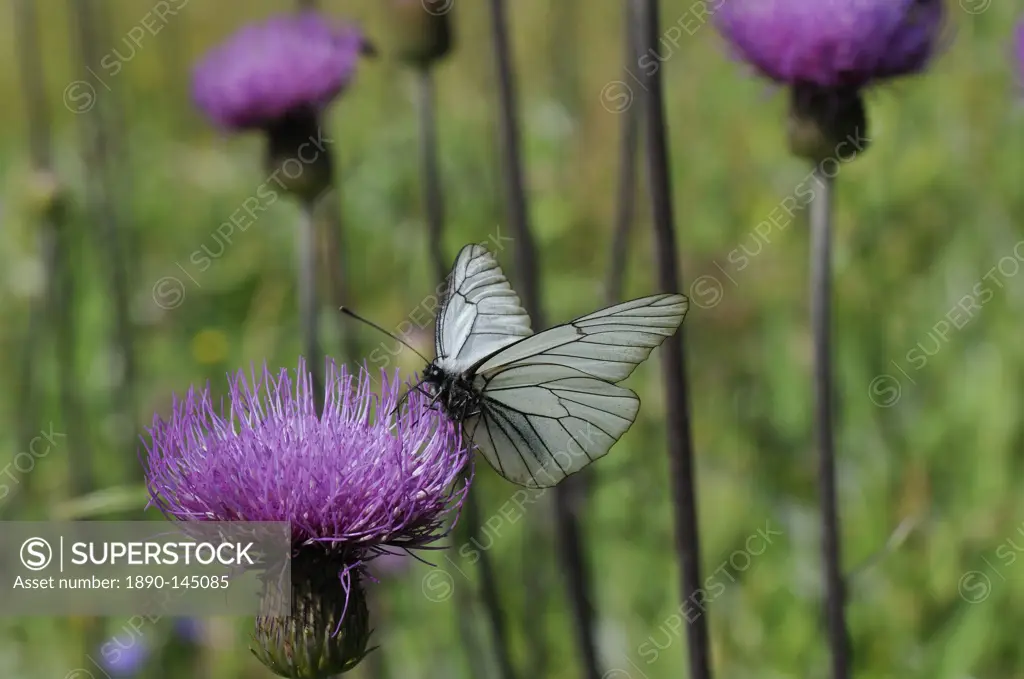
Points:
(606, 344)
(480, 312)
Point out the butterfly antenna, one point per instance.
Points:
(349, 312)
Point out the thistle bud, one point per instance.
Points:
(297, 157)
(421, 30)
(823, 120)
(44, 194)
(328, 630)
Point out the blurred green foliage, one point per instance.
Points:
(930, 433)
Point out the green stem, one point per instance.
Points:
(821, 320)
(309, 310)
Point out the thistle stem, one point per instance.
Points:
(98, 152)
(821, 292)
(41, 147)
(489, 592)
(430, 167)
(569, 534)
(335, 262)
(467, 530)
(309, 310)
(680, 438)
(625, 205)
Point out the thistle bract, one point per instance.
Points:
(833, 43)
(268, 71)
(329, 629)
(363, 476)
(421, 30)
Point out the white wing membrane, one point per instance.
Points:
(537, 435)
(480, 313)
(550, 405)
(606, 344)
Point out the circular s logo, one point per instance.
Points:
(36, 554)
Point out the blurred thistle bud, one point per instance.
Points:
(44, 194)
(329, 628)
(828, 52)
(826, 123)
(298, 158)
(421, 30)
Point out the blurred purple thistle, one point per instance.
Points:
(833, 43)
(828, 52)
(268, 71)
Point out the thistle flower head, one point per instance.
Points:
(267, 71)
(355, 479)
(833, 43)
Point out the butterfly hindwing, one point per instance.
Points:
(541, 423)
(480, 312)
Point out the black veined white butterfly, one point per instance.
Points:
(538, 407)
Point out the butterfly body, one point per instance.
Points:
(539, 407)
(455, 392)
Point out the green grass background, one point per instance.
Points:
(922, 218)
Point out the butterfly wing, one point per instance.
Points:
(550, 402)
(480, 313)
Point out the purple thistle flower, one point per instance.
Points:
(267, 71)
(357, 477)
(833, 43)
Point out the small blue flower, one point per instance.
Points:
(124, 661)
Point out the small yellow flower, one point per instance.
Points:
(210, 346)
